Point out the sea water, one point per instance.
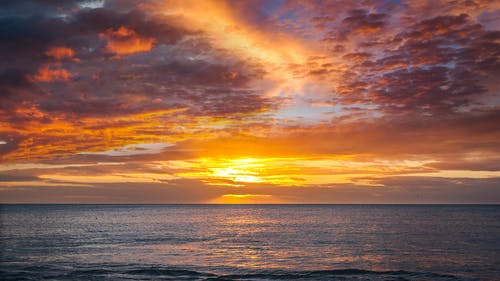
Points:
(250, 242)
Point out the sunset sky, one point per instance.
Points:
(376, 101)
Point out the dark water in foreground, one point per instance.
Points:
(238, 242)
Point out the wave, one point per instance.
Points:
(168, 272)
(338, 274)
(165, 273)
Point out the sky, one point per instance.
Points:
(374, 101)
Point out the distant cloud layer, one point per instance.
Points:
(250, 101)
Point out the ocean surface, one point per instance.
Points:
(249, 242)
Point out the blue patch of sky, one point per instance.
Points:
(307, 113)
(271, 6)
(300, 20)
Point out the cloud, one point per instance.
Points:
(16, 178)
(401, 190)
(133, 149)
(49, 74)
(431, 67)
(207, 84)
(124, 41)
(60, 53)
(360, 21)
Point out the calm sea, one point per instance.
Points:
(250, 242)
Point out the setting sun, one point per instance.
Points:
(249, 140)
(306, 101)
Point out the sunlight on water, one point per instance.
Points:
(208, 239)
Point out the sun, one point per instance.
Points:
(227, 171)
(239, 170)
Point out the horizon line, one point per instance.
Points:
(262, 204)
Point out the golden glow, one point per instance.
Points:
(290, 104)
(92, 134)
(292, 171)
(285, 57)
(243, 170)
(229, 31)
(244, 199)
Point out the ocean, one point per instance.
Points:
(250, 242)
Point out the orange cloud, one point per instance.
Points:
(255, 100)
(87, 134)
(125, 41)
(60, 53)
(47, 74)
